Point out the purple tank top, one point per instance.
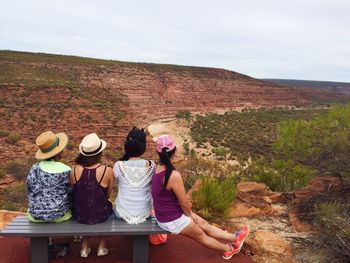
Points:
(90, 199)
(165, 202)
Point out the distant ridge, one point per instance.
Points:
(309, 83)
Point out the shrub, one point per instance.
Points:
(334, 219)
(195, 168)
(13, 137)
(215, 197)
(183, 114)
(280, 175)
(14, 197)
(18, 170)
(186, 147)
(3, 133)
(221, 152)
(2, 173)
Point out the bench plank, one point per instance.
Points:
(21, 226)
(39, 233)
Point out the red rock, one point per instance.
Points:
(7, 216)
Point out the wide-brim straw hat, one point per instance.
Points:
(50, 144)
(91, 145)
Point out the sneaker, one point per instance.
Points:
(228, 255)
(84, 253)
(241, 237)
(102, 251)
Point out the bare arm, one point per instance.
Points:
(110, 176)
(71, 177)
(176, 184)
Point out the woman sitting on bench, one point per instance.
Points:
(173, 210)
(48, 181)
(92, 185)
(133, 175)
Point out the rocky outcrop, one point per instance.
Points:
(6, 180)
(253, 199)
(7, 216)
(318, 186)
(268, 247)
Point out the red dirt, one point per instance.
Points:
(177, 249)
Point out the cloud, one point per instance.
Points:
(271, 38)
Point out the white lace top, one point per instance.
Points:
(134, 201)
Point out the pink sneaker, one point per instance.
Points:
(228, 255)
(241, 237)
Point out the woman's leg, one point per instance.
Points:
(102, 243)
(85, 243)
(214, 231)
(195, 232)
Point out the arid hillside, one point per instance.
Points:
(80, 95)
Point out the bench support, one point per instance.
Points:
(140, 249)
(39, 249)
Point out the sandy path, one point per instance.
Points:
(178, 130)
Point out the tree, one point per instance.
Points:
(322, 143)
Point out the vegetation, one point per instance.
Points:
(2, 173)
(215, 196)
(14, 197)
(17, 169)
(195, 168)
(13, 137)
(322, 143)
(280, 175)
(183, 114)
(334, 219)
(3, 133)
(245, 134)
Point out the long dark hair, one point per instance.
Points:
(87, 161)
(164, 159)
(135, 144)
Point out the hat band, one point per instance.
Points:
(53, 146)
(93, 152)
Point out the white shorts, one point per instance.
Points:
(177, 225)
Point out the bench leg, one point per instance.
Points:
(39, 249)
(140, 249)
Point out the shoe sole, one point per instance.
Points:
(239, 249)
(101, 253)
(85, 255)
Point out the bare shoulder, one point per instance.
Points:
(176, 176)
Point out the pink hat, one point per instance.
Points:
(165, 141)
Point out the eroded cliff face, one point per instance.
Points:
(80, 95)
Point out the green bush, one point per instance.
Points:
(186, 147)
(14, 197)
(195, 168)
(17, 170)
(183, 114)
(2, 173)
(3, 133)
(322, 143)
(13, 137)
(334, 220)
(280, 175)
(215, 197)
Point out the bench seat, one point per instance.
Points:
(40, 232)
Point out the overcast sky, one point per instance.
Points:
(297, 39)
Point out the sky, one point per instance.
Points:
(294, 39)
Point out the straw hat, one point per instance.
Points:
(91, 145)
(50, 144)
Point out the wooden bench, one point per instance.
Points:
(39, 234)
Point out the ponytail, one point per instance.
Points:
(125, 157)
(164, 159)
